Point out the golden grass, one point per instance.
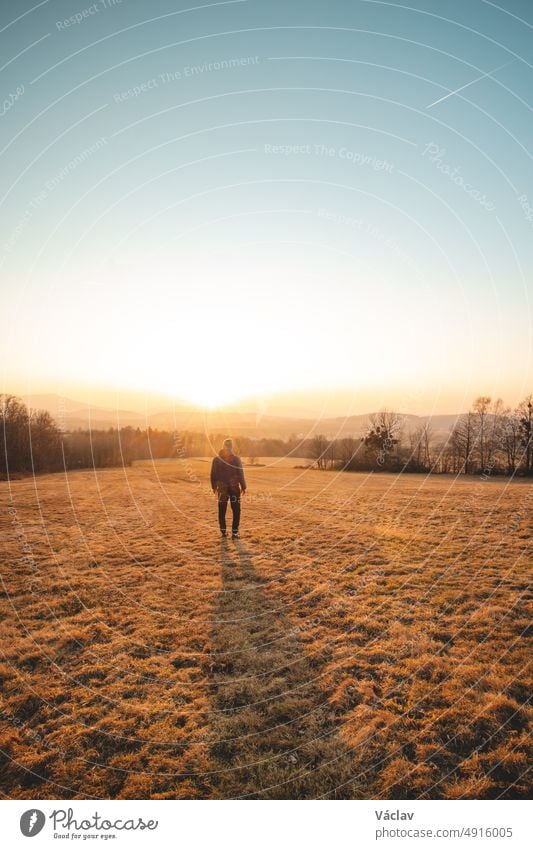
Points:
(365, 638)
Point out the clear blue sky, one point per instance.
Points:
(273, 180)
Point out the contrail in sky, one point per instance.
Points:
(477, 79)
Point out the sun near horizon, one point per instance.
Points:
(276, 257)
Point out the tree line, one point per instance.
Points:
(31, 442)
(490, 439)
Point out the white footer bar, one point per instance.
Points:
(268, 825)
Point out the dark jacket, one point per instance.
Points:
(227, 471)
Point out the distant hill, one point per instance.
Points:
(72, 414)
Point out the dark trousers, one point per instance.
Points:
(226, 494)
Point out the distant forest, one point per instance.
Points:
(488, 440)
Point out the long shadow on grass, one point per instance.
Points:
(273, 735)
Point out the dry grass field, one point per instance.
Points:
(366, 637)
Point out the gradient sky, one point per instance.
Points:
(160, 232)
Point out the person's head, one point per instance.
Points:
(228, 445)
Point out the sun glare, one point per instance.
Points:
(198, 389)
(209, 398)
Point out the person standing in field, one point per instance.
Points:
(227, 481)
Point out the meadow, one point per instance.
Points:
(365, 638)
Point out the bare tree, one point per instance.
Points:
(388, 421)
(481, 409)
(420, 444)
(331, 453)
(494, 435)
(14, 435)
(525, 414)
(346, 451)
(444, 457)
(318, 449)
(383, 436)
(463, 442)
(45, 441)
(511, 440)
(427, 437)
